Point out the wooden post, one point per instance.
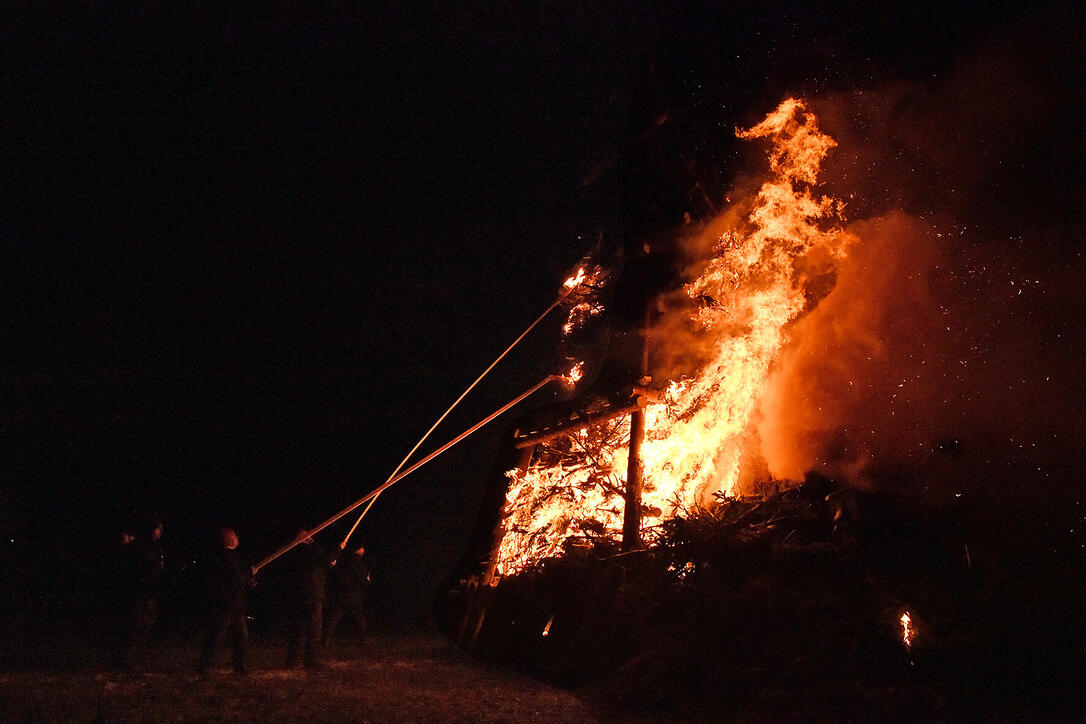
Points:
(631, 514)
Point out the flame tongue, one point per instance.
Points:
(907, 629)
(697, 438)
(576, 279)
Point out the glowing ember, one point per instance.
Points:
(579, 314)
(581, 289)
(574, 375)
(697, 436)
(907, 631)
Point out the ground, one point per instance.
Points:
(393, 679)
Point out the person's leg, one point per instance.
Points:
(358, 613)
(313, 634)
(295, 639)
(331, 623)
(216, 629)
(239, 641)
(143, 622)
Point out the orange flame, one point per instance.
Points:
(576, 279)
(696, 439)
(907, 631)
(581, 289)
(576, 372)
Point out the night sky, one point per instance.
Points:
(251, 256)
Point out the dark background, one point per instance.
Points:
(255, 254)
(251, 255)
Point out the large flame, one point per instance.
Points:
(751, 287)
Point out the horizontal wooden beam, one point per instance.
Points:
(579, 422)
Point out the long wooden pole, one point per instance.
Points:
(395, 479)
(479, 379)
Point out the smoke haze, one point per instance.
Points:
(949, 344)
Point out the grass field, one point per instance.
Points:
(393, 679)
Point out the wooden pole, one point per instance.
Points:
(631, 513)
(393, 480)
(540, 318)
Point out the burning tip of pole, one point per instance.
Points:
(547, 628)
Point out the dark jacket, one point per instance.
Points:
(306, 573)
(350, 578)
(149, 562)
(119, 570)
(227, 580)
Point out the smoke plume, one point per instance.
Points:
(948, 344)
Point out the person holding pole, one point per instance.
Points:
(349, 582)
(147, 562)
(228, 584)
(307, 574)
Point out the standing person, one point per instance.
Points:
(120, 584)
(149, 561)
(228, 583)
(349, 583)
(307, 575)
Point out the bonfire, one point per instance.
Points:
(700, 430)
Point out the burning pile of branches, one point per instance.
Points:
(740, 301)
(748, 589)
(582, 478)
(586, 451)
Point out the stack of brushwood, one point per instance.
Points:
(785, 600)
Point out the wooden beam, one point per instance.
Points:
(580, 422)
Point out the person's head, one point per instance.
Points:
(361, 551)
(302, 536)
(229, 538)
(127, 537)
(155, 532)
